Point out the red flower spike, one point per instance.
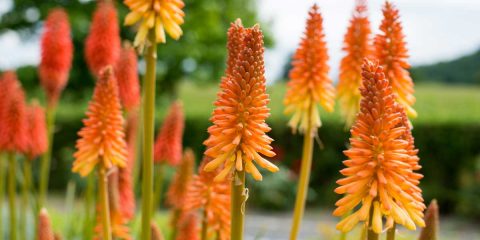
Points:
(178, 186)
(391, 51)
(57, 54)
(168, 145)
(37, 131)
(188, 227)
(13, 115)
(45, 231)
(213, 197)
(127, 77)
(102, 46)
(102, 139)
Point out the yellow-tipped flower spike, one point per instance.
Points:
(392, 53)
(379, 172)
(357, 46)
(310, 84)
(160, 15)
(238, 135)
(102, 139)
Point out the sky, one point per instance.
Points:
(436, 30)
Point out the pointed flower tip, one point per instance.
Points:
(102, 140)
(231, 144)
(156, 233)
(430, 230)
(168, 145)
(310, 85)
(390, 186)
(45, 231)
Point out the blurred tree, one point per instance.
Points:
(199, 55)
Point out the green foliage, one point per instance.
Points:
(464, 70)
(199, 54)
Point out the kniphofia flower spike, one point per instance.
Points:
(13, 115)
(37, 131)
(238, 135)
(102, 46)
(379, 172)
(213, 197)
(168, 145)
(160, 15)
(45, 231)
(102, 140)
(178, 187)
(391, 51)
(127, 76)
(57, 54)
(310, 84)
(357, 47)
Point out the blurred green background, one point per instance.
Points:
(447, 131)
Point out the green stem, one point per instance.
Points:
(204, 225)
(238, 205)
(46, 157)
(11, 195)
(175, 219)
(303, 182)
(371, 235)
(2, 190)
(138, 153)
(89, 200)
(27, 179)
(158, 185)
(104, 207)
(148, 135)
(391, 232)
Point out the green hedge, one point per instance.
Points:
(450, 156)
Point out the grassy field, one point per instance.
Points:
(435, 103)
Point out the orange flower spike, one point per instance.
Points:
(391, 51)
(159, 15)
(310, 84)
(357, 47)
(214, 197)
(37, 131)
(45, 231)
(178, 187)
(57, 54)
(127, 77)
(235, 44)
(188, 227)
(102, 140)
(238, 135)
(102, 46)
(168, 145)
(13, 115)
(379, 172)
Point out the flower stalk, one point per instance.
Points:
(148, 135)
(3, 160)
(11, 195)
(104, 206)
(27, 180)
(391, 232)
(158, 184)
(46, 157)
(239, 198)
(303, 182)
